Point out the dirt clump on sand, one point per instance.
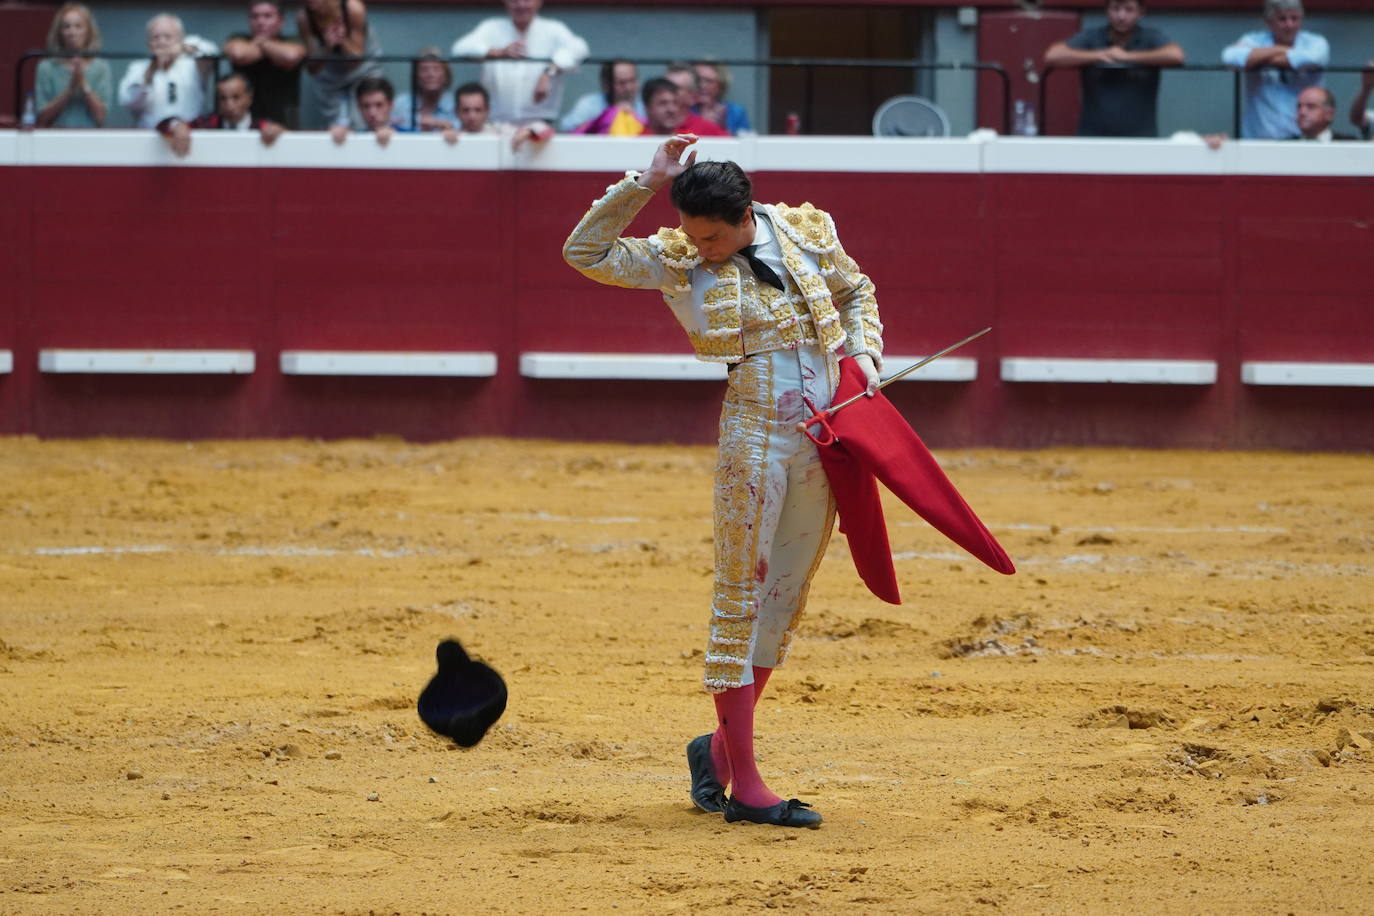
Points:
(210, 655)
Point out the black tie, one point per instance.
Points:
(760, 269)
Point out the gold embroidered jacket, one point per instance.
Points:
(839, 297)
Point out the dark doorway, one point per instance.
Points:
(839, 100)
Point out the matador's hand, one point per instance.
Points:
(668, 163)
(870, 371)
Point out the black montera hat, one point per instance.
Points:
(465, 697)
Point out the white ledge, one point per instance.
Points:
(393, 363)
(981, 152)
(639, 366)
(6, 361)
(1115, 371)
(1344, 375)
(149, 362)
(948, 369)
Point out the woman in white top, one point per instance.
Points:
(167, 85)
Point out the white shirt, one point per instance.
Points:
(1271, 95)
(511, 82)
(173, 93)
(768, 250)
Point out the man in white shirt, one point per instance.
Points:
(522, 88)
(168, 85)
(1280, 61)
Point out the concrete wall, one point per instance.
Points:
(1070, 249)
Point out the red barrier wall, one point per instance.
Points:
(1222, 267)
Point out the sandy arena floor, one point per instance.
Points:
(211, 654)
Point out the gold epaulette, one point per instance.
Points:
(674, 250)
(808, 227)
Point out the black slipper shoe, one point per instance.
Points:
(707, 792)
(790, 813)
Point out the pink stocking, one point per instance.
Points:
(720, 760)
(735, 710)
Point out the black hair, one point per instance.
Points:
(473, 89)
(236, 75)
(654, 86)
(608, 78)
(715, 190)
(375, 84)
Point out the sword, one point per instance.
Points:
(836, 408)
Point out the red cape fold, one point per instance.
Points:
(872, 442)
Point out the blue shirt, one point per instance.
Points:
(400, 112)
(1271, 96)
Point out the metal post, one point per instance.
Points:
(1235, 105)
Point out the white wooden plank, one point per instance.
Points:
(390, 363)
(1342, 375)
(149, 362)
(946, 369)
(640, 366)
(1114, 371)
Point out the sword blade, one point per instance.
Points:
(910, 369)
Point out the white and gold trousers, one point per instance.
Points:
(773, 511)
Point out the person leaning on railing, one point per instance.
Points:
(338, 29)
(1119, 65)
(233, 112)
(72, 91)
(526, 58)
(1280, 61)
(270, 60)
(376, 100)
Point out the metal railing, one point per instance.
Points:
(809, 65)
(1237, 91)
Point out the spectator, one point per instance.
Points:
(663, 107)
(338, 30)
(473, 105)
(616, 109)
(1360, 116)
(233, 111)
(271, 61)
(1119, 69)
(683, 77)
(713, 82)
(168, 84)
(1282, 61)
(376, 99)
(1316, 111)
(234, 96)
(523, 91)
(474, 113)
(72, 91)
(434, 108)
